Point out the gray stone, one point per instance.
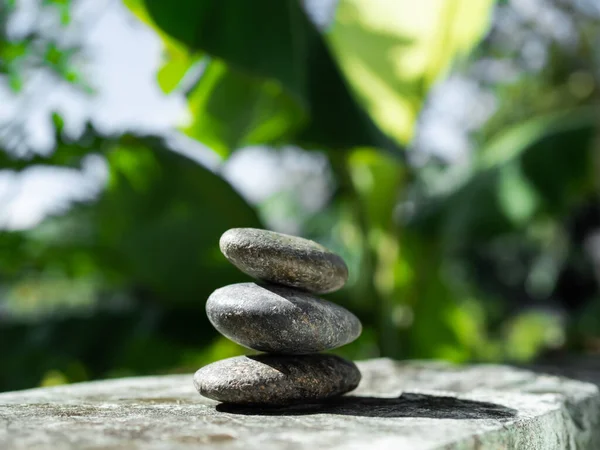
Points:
(408, 405)
(276, 379)
(283, 259)
(278, 319)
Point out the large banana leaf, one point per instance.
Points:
(148, 251)
(277, 60)
(157, 225)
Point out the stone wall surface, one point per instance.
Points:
(407, 405)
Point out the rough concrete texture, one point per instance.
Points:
(284, 259)
(279, 319)
(410, 405)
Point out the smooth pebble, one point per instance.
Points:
(277, 380)
(283, 259)
(278, 319)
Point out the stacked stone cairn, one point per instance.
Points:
(281, 316)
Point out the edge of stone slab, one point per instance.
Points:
(574, 424)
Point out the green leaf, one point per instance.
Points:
(173, 71)
(529, 333)
(472, 213)
(15, 81)
(377, 179)
(273, 40)
(514, 141)
(151, 238)
(157, 225)
(517, 197)
(555, 153)
(176, 213)
(140, 339)
(393, 51)
(542, 165)
(561, 166)
(231, 109)
(236, 31)
(177, 59)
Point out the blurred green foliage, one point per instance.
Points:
(493, 264)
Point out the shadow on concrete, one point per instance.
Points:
(407, 405)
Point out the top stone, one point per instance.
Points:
(283, 259)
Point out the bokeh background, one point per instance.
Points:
(448, 149)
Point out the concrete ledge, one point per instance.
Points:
(410, 405)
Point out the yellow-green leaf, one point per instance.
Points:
(231, 109)
(392, 51)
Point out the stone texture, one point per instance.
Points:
(409, 405)
(278, 319)
(276, 380)
(283, 259)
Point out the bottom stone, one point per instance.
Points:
(276, 379)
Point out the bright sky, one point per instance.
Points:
(121, 59)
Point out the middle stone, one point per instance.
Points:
(276, 319)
